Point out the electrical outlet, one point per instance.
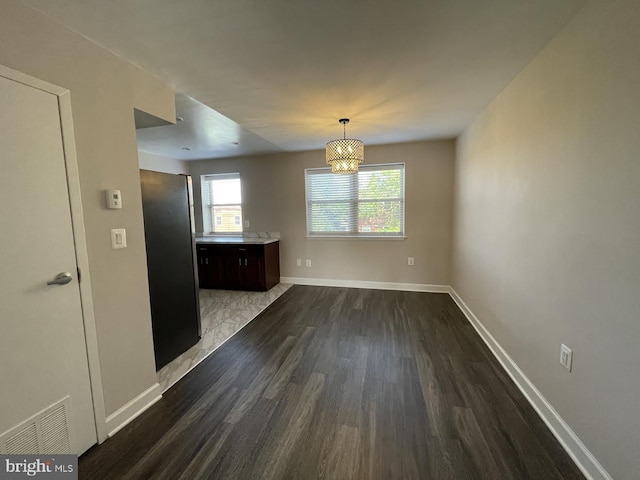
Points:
(308, 262)
(566, 356)
(246, 224)
(411, 261)
(298, 262)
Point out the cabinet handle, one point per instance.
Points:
(245, 262)
(240, 261)
(206, 260)
(242, 249)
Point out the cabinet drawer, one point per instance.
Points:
(244, 250)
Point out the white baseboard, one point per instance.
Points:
(578, 452)
(329, 282)
(121, 417)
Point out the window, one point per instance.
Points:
(222, 203)
(367, 204)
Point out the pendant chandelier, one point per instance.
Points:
(345, 154)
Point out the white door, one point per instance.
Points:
(43, 355)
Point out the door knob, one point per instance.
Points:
(61, 279)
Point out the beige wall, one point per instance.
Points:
(104, 90)
(159, 163)
(260, 201)
(274, 200)
(547, 230)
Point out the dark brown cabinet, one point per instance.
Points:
(239, 266)
(210, 267)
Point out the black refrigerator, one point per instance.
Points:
(173, 284)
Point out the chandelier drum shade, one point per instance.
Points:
(344, 155)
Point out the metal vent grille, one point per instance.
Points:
(54, 431)
(24, 442)
(46, 432)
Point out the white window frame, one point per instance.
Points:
(208, 218)
(359, 235)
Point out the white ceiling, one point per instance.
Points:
(202, 133)
(288, 70)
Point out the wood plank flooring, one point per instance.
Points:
(341, 384)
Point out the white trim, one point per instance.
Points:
(578, 452)
(80, 241)
(366, 166)
(356, 237)
(329, 282)
(82, 259)
(128, 412)
(30, 81)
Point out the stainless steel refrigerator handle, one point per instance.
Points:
(61, 279)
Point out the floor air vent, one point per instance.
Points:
(46, 432)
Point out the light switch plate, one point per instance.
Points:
(566, 357)
(118, 238)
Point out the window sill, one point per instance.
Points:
(353, 237)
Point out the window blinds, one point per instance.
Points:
(221, 202)
(369, 203)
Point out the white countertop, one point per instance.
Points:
(236, 240)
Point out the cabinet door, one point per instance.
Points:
(203, 267)
(253, 271)
(216, 267)
(244, 267)
(211, 267)
(233, 268)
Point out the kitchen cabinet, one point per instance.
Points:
(241, 266)
(210, 267)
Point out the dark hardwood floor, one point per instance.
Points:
(340, 383)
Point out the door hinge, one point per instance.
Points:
(79, 275)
